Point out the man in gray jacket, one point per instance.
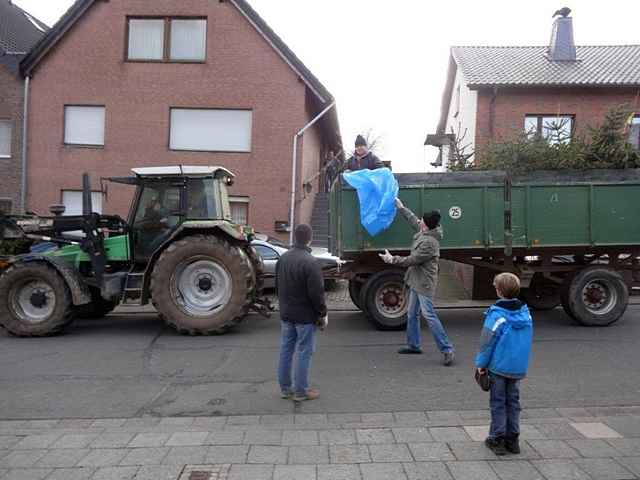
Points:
(422, 279)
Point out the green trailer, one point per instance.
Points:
(573, 238)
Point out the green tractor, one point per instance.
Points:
(178, 250)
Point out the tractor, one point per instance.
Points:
(179, 250)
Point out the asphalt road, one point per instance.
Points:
(131, 365)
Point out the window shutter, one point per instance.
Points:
(72, 200)
(188, 39)
(211, 130)
(5, 138)
(84, 126)
(146, 39)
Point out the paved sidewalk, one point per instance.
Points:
(564, 443)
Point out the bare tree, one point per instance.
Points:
(374, 140)
(460, 152)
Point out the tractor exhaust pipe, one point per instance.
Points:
(87, 207)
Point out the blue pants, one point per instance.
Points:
(505, 407)
(300, 337)
(419, 303)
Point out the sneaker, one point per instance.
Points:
(496, 445)
(311, 394)
(448, 359)
(410, 351)
(512, 445)
(286, 395)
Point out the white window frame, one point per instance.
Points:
(242, 200)
(634, 128)
(167, 40)
(9, 123)
(178, 143)
(69, 139)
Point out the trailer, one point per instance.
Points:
(572, 237)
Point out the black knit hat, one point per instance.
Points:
(432, 219)
(360, 141)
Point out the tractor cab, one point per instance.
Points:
(168, 197)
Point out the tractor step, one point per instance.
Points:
(132, 294)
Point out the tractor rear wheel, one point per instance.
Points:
(203, 285)
(34, 300)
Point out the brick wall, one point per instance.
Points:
(11, 108)
(589, 105)
(241, 71)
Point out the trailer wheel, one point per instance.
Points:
(542, 294)
(387, 300)
(203, 285)
(598, 297)
(34, 301)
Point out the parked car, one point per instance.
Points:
(270, 250)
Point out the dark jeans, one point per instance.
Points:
(505, 407)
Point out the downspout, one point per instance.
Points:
(294, 167)
(25, 132)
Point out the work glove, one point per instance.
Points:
(323, 322)
(386, 257)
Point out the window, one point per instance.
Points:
(6, 128)
(201, 199)
(167, 39)
(634, 132)
(5, 206)
(553, 128)
(72, 200)
(208, 130)
(239, 210)
(84, 125)
(266, 253)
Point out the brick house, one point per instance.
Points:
(131, 83)
(19, 31)
(496, 93)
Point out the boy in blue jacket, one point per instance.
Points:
(505, 347)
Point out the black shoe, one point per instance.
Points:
(410, 351)
(496, 445)
(512, 445)
(448, 359)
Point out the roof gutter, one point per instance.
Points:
(294, 167)
(25, 135)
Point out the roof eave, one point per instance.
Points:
(481, 86)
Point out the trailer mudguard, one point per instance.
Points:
(80, 294)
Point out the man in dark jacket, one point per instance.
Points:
(362, 158)
(422, 279)
(302, 308)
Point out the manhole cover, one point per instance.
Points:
(205, 472)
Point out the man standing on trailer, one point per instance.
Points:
(422, 279)
(363, 158)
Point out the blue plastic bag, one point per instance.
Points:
(377, 192)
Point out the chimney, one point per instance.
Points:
(562, 48)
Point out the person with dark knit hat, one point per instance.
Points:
(422, 279)
(362, 158)
(303, 309)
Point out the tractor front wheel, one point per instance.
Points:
(34, 300)
(203, 285)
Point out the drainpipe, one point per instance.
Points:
(294, 167)
(25, 131)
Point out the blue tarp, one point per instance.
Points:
(377, 191)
